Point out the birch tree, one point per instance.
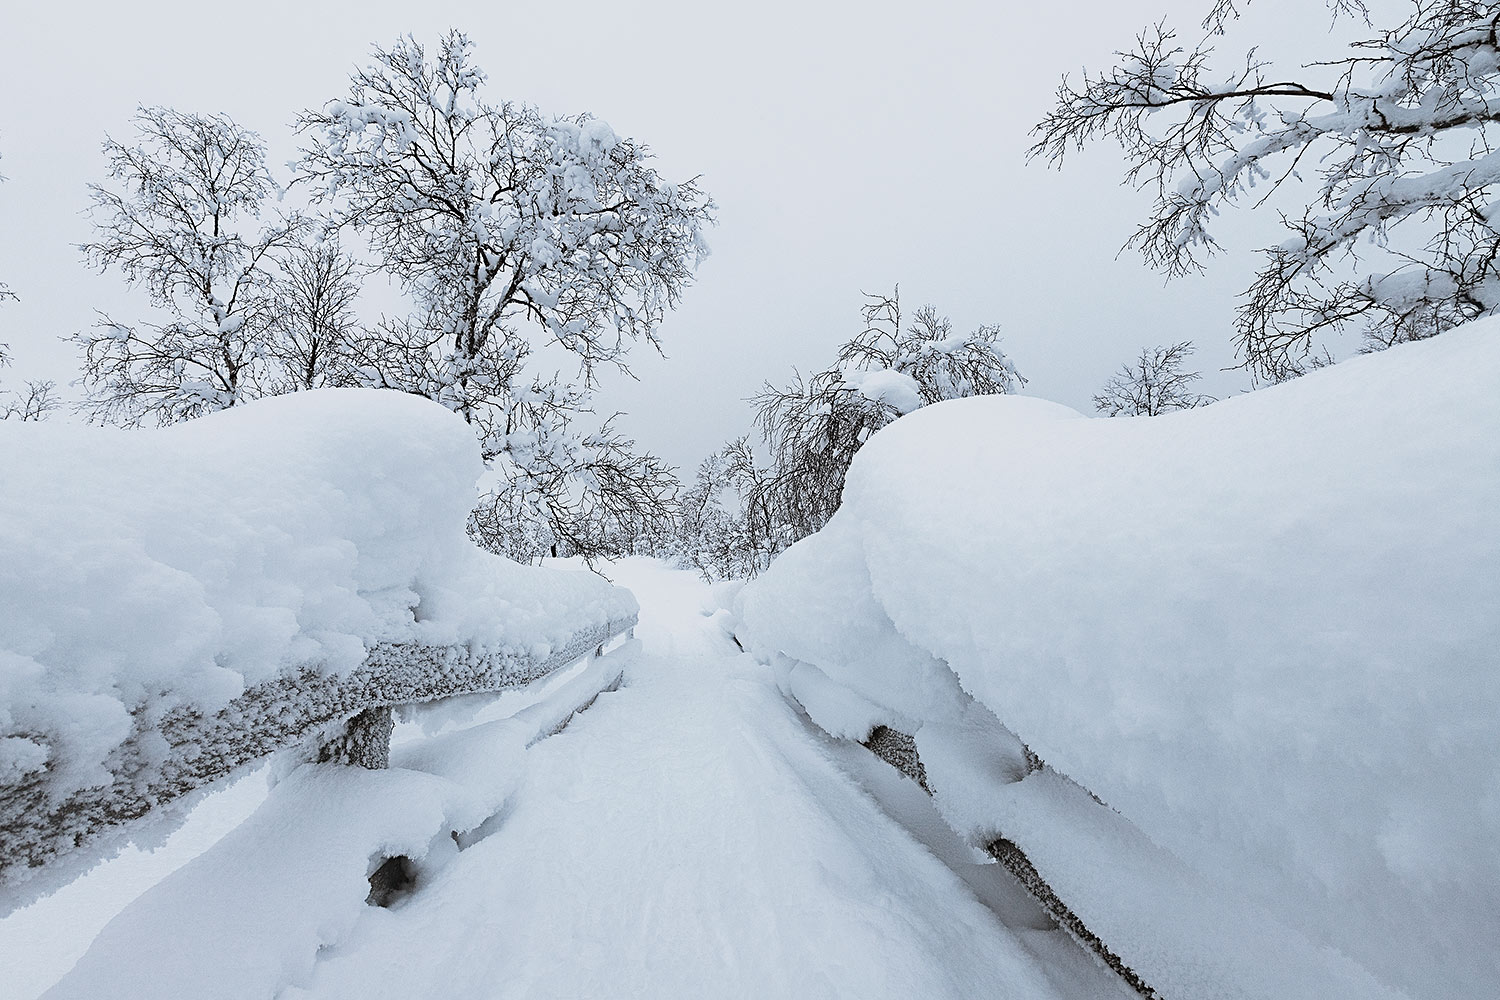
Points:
(315, 337)
(521, 238)
(814, 426)
(34, 402)
(181, 220)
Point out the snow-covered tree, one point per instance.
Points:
(182, 221)
(496, 214)
(724, 527)
(524, 240)
(565, 493)
(815, 426)
(1154, 383)
(1399, 137)
(738, 514)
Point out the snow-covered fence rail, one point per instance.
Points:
(175, 604)
(976, 758)
(900, 751)
(168, 755)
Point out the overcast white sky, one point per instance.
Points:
(849, 146)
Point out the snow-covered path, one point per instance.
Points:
(691, 836)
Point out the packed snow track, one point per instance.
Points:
(690, 835)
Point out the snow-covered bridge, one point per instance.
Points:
(1250, 650)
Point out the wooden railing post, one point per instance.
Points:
(364, 742)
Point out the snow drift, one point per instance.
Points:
(146, 571)
(1267, 631)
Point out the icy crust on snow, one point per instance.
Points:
(254, 558)
(1266, 631)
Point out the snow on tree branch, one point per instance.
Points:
(1397, 139)
(492, 214)
(502, 222)
(171, 223)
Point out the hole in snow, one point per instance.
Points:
(392, 880)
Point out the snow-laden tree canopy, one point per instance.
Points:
(493, 214)
(503, 222)
(1391, 148)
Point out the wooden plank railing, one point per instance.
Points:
(170, 754)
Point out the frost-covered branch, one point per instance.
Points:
(1397, 142)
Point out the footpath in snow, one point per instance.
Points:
(690, 835)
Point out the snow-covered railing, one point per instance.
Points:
(1265, 632)
(900, 751)
(176, 604)
(168, 756)
(984, 755)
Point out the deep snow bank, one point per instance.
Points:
(143, 569)
(1267, 632)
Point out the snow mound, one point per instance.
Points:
(1266, 631)
(146, 570)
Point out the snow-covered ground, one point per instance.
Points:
(690, 835)
(1265, 631)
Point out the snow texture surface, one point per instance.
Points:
(1265, 631)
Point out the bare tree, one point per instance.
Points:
(725, 527)
(171, 223)
(1397, 234)
(35, 402)
(1154, 383)
(314, 331)
(944, 365)
(39, 398)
